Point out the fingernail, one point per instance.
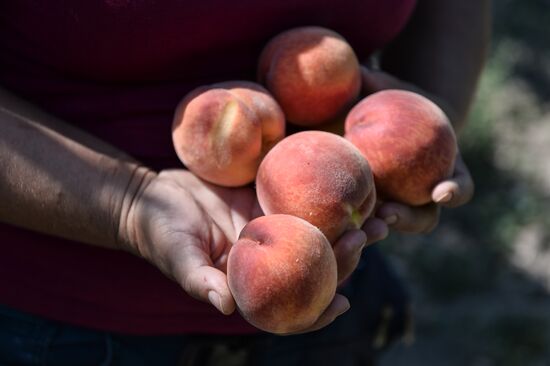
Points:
(390, 220)
(215, 300)
(444, 198)
(344, 310)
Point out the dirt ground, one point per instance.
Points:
(481, 281)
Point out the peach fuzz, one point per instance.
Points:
(408, 142)
(222, 131)
(320, 177)
(282, 273)
(312, 72)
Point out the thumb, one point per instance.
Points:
(457, 190)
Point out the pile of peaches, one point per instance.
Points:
(312, 185)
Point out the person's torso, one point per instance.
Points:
(118, 68)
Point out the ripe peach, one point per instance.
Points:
(408, 142)
(320, 177)
(282, 273)
(312, 72)
(222, 131)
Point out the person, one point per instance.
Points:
(113, 253)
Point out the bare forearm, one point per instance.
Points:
(443, 50)
(59, 180)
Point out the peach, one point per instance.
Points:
(222, 131)
(282, 273)
(312, 72)
(408, 142)
(319, 177)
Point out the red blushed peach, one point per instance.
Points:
(312, 72)
(320, 177)
(408, 142)
(282, 273)
(222, 131)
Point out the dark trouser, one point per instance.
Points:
(379, 314)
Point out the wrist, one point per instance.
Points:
(127, 235)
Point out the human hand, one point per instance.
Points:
(452, 192)
(186, 227)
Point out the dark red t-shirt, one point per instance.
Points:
(117, 69)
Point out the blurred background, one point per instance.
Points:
(481, 281)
